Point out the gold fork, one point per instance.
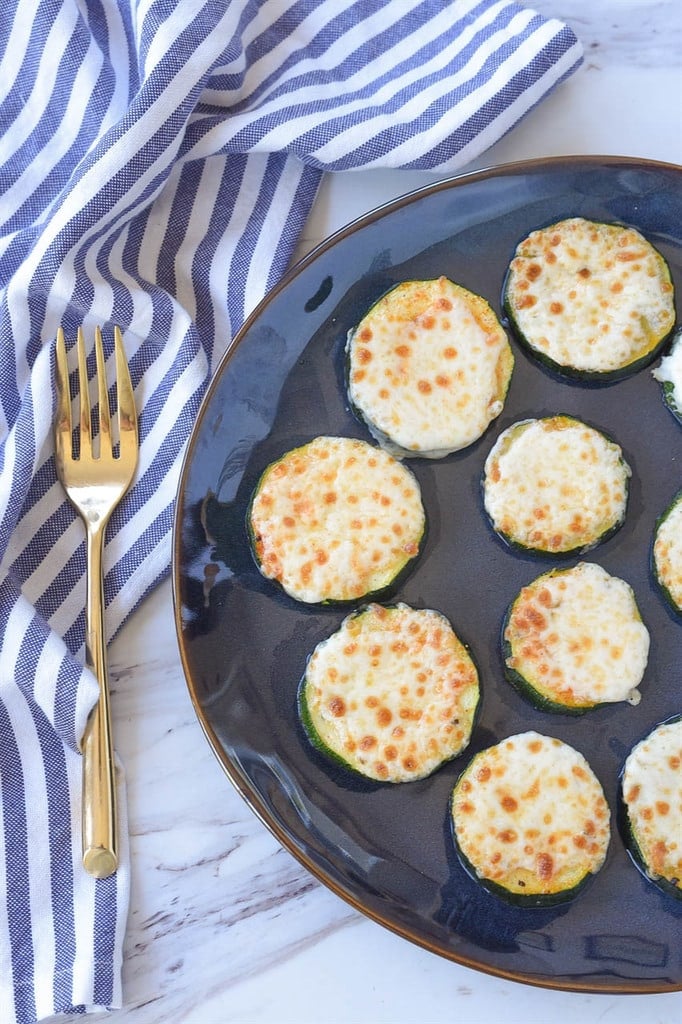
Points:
(95, 482)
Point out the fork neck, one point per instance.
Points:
(95, 642)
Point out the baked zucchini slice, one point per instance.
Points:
(666, 553)
(669, 375)
(592, 301)
(392, 694)
(555, 485)
(335, 520)
(428, 368)
(530, 820)
(573, 640)
(651, 794)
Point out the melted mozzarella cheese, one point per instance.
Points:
(589, 296)
(669, 372)
(335, 520)
(668, 552)
(576, 636)
(530, 815)
(652, 792)
(429, 368)
(555, 484)
(392, 693)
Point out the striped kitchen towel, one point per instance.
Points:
(158, 159)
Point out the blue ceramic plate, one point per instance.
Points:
(387, 849)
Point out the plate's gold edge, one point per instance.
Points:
(560, 983)
(535, 164)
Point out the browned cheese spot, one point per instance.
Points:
(508, 835)
(337, 707)
(384, 717)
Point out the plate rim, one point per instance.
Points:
(252, 798)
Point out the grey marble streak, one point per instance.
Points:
(622, 32)
(214, 900)
(202, 864)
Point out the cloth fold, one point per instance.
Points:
(158, 159)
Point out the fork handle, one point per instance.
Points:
(100, 851)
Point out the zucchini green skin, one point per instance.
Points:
(582, 376)
(525, 549)
(315, 738)
(336, 758)
(388, 444)
(670, 600)
(380, 436)
(526, 688)
(668, 386)
(385, 590)
(573, 373)
(630, 840)
(629, 836)
(332, 755)
(513, 897)
(386, 441)
(562, 556)
(309, 726)
(524, 685)
(668, 391)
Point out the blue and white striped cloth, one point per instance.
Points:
(158, 159)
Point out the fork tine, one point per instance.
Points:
(84, 393)
(127, 415)
(102, 395)
(63, 412)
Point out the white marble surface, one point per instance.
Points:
(225, 927)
